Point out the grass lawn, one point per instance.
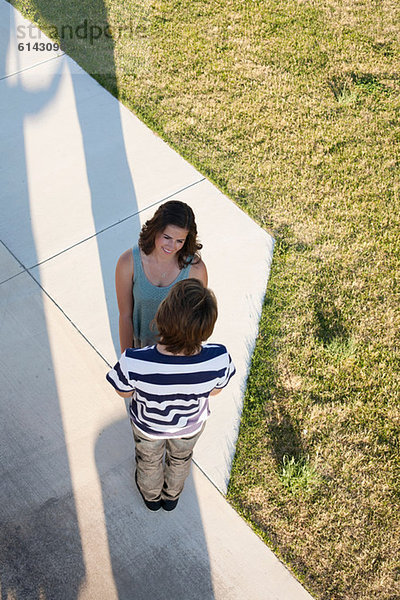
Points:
(292, 108)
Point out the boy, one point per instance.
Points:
(171, 383)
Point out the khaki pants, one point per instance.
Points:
(155, 479)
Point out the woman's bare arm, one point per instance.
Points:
(124, 394)
(123, 286)
(199, 271)
(215, 391)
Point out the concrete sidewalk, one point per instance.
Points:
(79, 175)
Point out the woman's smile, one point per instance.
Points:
(171, 240)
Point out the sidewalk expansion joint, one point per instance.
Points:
(17, 260)
(12, 277)
(68, 318)
(32, 66)
(27, 270)
(116, 223)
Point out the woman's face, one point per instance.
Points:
(170, 241)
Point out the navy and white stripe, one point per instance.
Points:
(170, 393)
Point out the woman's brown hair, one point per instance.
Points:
(175, 213)
(186, 317)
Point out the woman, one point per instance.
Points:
(167, 252)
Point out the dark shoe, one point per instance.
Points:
(151, 504)
(169, 504)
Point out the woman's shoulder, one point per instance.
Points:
(198, 270)
(125, 264)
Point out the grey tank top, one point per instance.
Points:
(146, 300)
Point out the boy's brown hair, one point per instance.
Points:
(186, 317)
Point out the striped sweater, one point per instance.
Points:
(170, 392)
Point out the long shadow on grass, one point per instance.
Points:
(283, 433)
(282, 430)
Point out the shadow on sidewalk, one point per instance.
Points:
(154, 554)
(40, 545)
(41, 542)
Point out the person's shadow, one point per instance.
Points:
(152, 556)
(40, 544)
